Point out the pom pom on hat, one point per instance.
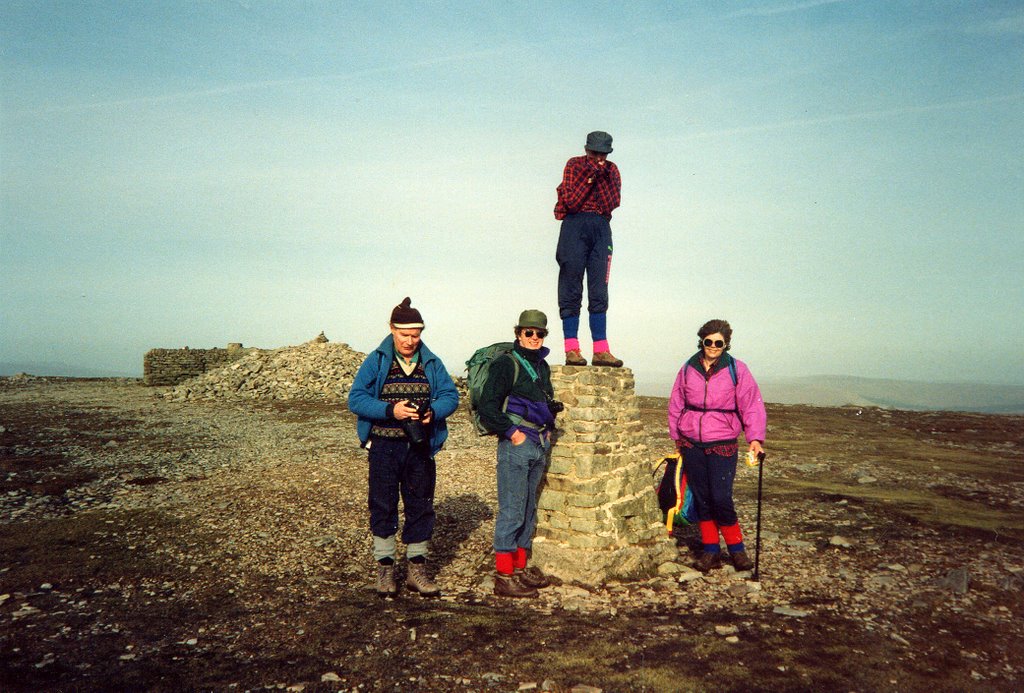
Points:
(405, 317)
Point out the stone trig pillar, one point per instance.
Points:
(598, 516)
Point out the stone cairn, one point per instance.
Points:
(318, 370)
(598, 516)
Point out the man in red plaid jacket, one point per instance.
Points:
(590, 190)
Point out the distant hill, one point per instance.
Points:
(63, 369)
(816, 390)
(839, 390)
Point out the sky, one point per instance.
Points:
(842, 180)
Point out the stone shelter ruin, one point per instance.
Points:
(173, 366)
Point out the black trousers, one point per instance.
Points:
(584, 247)
(400, 469)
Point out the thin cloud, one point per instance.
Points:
(1011, 25)
(258, 85)
(767, 11)
(849, 117)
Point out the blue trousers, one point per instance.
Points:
(397, 468)
(520, 470)
(584, 247)
(710, 478)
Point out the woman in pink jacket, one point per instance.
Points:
(715, 398)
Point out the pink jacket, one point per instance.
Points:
(713, 409)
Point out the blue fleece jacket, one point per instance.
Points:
(364, 397)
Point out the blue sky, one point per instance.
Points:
(842, 180)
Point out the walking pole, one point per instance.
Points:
(757, 540)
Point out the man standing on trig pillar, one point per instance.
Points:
(590, 190)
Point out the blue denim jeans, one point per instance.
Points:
(520, 470)
(710, 478)
(397, 468)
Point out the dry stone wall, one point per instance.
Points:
(173, 366)
(598, 516)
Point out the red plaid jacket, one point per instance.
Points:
(587, 187)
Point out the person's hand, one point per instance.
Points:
(755, 447)
(428, 417)
(403, 410)
(518, 438)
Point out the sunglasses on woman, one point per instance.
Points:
(713, 343)
(540, 333)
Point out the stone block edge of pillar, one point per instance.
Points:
(594, 568)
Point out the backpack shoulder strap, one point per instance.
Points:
(515, 377)
(517, 359)
(735, 390)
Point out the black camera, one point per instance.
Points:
(554, 406)
(414, 428)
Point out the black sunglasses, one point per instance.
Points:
(713, 343)
(540, 333)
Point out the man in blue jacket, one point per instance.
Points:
(402, 395)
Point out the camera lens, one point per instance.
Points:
(414, 430)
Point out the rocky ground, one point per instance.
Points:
(149, 541)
